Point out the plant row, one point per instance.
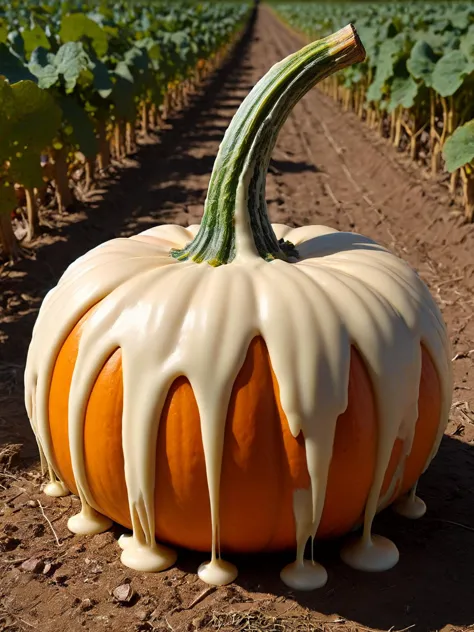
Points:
(416, 86)
(78, 84)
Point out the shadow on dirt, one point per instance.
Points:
(289, 166)
(430, 587)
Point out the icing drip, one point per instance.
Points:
(55, 489)
(151, 559)
(371, 553)
(88, 521)
(217, 572)
(304, 575)
(410, 506)
(204, 330)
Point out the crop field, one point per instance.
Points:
(111, 117)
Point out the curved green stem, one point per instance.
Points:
(235, 217)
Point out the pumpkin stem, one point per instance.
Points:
(235, 220)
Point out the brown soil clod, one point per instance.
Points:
(33, 565)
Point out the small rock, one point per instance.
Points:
(123, 593)
(14, 573)
(31, 503)
(87, 604)
(48, 567)
(33, 565)
(143, 615)
(95, 569)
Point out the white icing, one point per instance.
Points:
(55, 488)
(173, 318)
(125, 541)
(88, 521)
(372, 553)
(304, 575)
(217, 572)
(148, 558)
(410, 506)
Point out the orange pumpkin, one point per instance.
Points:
(262, 464)
(240, 385)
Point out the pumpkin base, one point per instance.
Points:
(56, 489)
(88, 522)
(217, 572)
(372, 555)
(145, 558)
(410, 506)
(305, 575)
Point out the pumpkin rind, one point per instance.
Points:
(262, 464)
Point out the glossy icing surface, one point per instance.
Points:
(172, 318)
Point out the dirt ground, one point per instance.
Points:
(328, 168)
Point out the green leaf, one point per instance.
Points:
(42, 65)
(33, 38)
(449, 73)
(421, 62)
(78, 27)
(434, 40)
(7, 102)
(460, 17)
(458, 150)
(391, 51)
(467, 44)
(403, 92)
(375, 91)
(26, 168)
(12, 67)
(29, 120)
(70, 61)
(352, 75)
(369, 35)
(83, 133)
(122, 70)
(3, 31)
(38, 116)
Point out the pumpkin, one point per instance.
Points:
(239, 386)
